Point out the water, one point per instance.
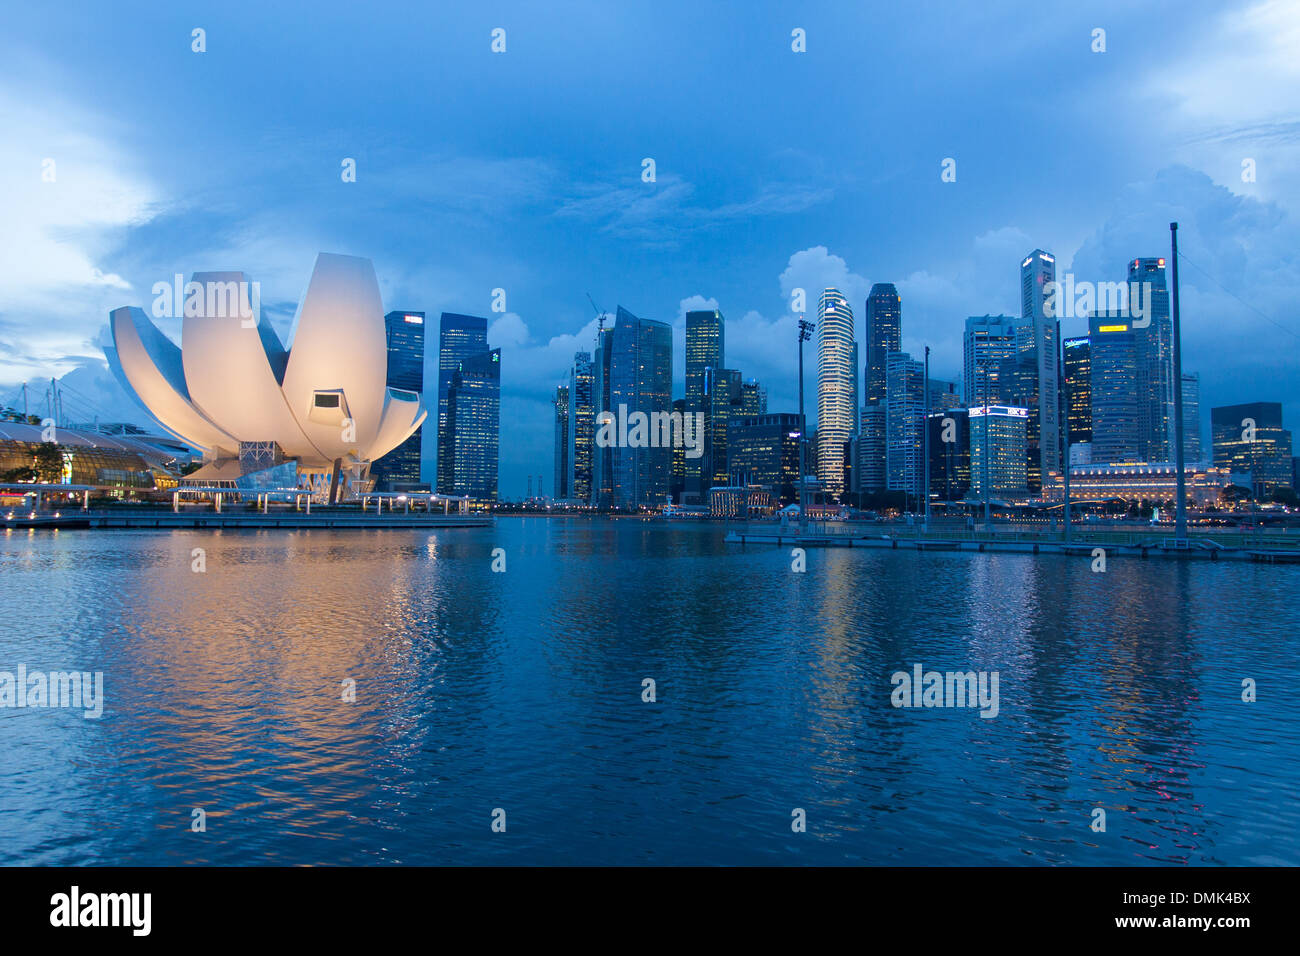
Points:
(522, 691)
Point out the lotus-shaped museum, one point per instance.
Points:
(249, 403)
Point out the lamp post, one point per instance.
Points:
(805, 334)
(1180, 506)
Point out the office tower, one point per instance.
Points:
(641, 381)
(753, 399)
(1036, 271)
(987, 342)
(725, 402)
(998, 431)
(1250, 439)
(473, 427)
(837, 403)
(562, 441)
(459, 338)
(582, 427)
(869, 475)
(904, 420)
(1153, 337)
(1192, 454)
(677, 480)
(883, 334)
(1113, 350)
(949, 454)
(1076, 364)
(706, 340)
(942, 395)
(764, 450)
(602, 456)
(404, 334)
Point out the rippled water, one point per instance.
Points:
(522, 691)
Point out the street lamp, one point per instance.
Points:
(805, 334)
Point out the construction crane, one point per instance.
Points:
(600, 317)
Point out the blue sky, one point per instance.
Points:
(522, 170)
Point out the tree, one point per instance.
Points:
(21, 475)
(48, 462)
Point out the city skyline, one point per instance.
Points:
(743, 209)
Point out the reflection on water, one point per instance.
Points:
(522, 690)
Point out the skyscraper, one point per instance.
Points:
(869, 473)
(1005, 445)
(1036, 271)
(753, 399)
(1077, 366)
(562, 441)
(764, 450)
(1192, 453)
(1153, 337)
(641, 380)
(1250, 439)
(706, 336)
(988, 341)
(602, 456)
(582, 426)
(837, 402)
(1116, 433)
(473, 427)
(404, 333)
(726, 399)
(460, 337)
(905, 406)
(884, 334)
(949, 454)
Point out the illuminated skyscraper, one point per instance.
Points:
(460, 337)
(706, 337)
(837, 401)
(949, 454)
(1005, 444)
(1077, 366)
(582, 427)
(884, 334)
(1036, 271)
(404, 333)
(904, 419)
(473, 427)
(1113, 361)
(1192, 452)
(1249, 439)
(1153, 336)
(726, 399)
(988, 341)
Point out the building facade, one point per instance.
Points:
(460, 337)
(837, 402)
(400, 469)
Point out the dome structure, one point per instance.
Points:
(231, 386)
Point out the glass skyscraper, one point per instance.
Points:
(473, 427)
(1250, 439)
(1192, 451)
(905, 406)
(1004, 444)
(562, 442)
(837, 400)
(706, 341)
(884, 334)
(949, 454)
(641, 380)
(582, 426)
(1113, 360)
(1076, 363)
(460, 337)
(764, 450)
(404, 333)
(1154, 355)
(987, 343)
(1044, 437)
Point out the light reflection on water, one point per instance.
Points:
(522, 690)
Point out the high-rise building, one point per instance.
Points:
(1113, 361)
(1192, 453)
(706, 341)
(582, 426)
(753, 399)
(884, 334)
(641, 380)
(602, 456)
(677, 480)
(473, 427)
(563, 441)
(764, 450)
(1036, 271)
(404, 334)
(869, 473)
(726, 402)
(949, 454)
(1250, 439)
(905, 407)
(837, 401)
(1076, 363)
(943, 394)
(459, 338)
(1153, 336)
(987, 343)
(998, 431)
